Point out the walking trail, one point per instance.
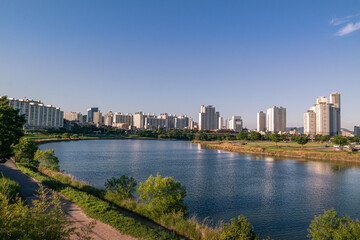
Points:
(75, 214)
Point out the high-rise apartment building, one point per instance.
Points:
(324, 117)
(139, 120)
(261, 122)
(310, 123)
(120, 118)
(38, 115)
(276, 119)
(108, 118)
(208, 118)
(98, 118)
(73, 116)
(356, 131)
(90, 114)
(235, 123)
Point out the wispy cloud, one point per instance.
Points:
(339, 21)
(349, 28)
(352, 24)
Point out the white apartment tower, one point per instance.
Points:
(38, 115)
(261, 121)
(236, 123)
(324, 117)
(208, 118)
(276, 119)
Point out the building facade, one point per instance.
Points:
(261, 122)
(235, 123)
(276, 119)
(38, 115)
(90, 114)
(208, 118)
(324, 118)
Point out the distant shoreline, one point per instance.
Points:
(305, 154)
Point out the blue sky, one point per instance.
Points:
(173, 56)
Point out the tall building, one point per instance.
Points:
(261, 122)
(98, 118)
(38, 115)
(235, 123)
(108, 119)
(90, 114)
(356, 131)
(120, 118)
(221, 123)
(73, 116)
(324, 116)
(276, 119)
(139, 120)
(310, 123)
(208, 118)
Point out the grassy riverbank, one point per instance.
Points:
(312, 151)
(99, 205)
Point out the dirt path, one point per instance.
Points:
(29, 186)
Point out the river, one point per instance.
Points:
(278, 196)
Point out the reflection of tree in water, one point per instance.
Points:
(339, 168)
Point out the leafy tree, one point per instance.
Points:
(74, 136)
(255, 136)
(10, 128)
(275, 137)
(24, 152)
(325, 138)
(302, 140)
(238, 229)
(331, 226)
(123, 187)
(47, 159)
(66, 135)
(243, 135)
(340, 140)
(163, 195)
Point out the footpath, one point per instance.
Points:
(75, 214)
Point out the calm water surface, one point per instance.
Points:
(279, 197)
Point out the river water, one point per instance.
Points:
(278, 196)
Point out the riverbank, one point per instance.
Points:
(260, 148)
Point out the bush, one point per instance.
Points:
(239, 229)
(331, 226)
(10, 189)
(24, 152)
(123, 187)
(162, 195)
(75, 136)
(43, 220)
(65, 135)
(47, 159)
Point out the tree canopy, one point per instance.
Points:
(11, 131)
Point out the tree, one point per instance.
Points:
(325, 138)
(74, 136)
(255, 136)
(123, 187)
(243, 135)
(162, 195)
(302, 140)
(275, 137)
(11, 131)
(66, 135)
(340, 140)
(47, 159)
(331, 226)
(238, 229)
(24, 152)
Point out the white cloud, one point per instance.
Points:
(339, 21)
(349, 28)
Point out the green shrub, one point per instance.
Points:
(162, 195)
(331, 226)
(24, 152)
(65, 135)
(239, 229)
(123, 187)
(10, 189)
(47, 159)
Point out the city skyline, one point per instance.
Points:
(156, 57)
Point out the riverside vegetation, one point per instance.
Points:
(161, 199)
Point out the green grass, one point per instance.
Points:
(99, 209)
(10, 189)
